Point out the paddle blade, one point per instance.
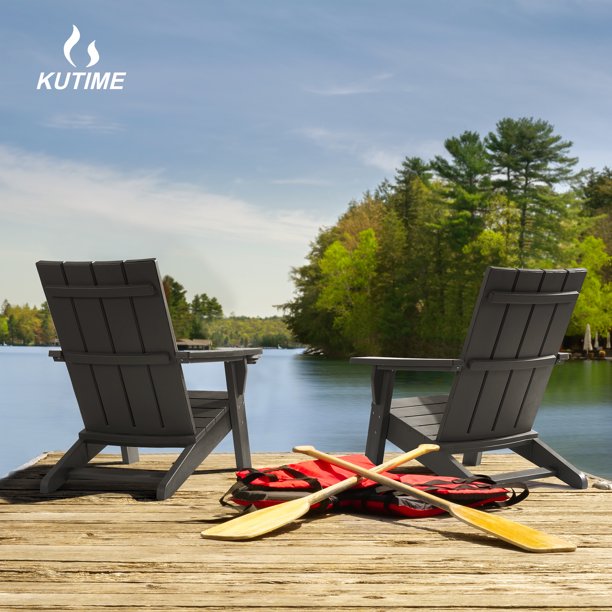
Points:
(254, 524)
(520, 535)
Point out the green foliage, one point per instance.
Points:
(391, 285)
(203, 318)
(598, 191)
(4, 330)
(250, 331)
(598, 204)
(25, 325)
(469, 167)
(190, 320)
(203, 310)
(178, 307)
(206, 308)
(594, 306)
(348, 289)
(308, 323)
(48, 335)
(529, 160)
(400, 271)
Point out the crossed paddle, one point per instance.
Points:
(265, 520)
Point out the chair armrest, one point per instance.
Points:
(251, 354)
(411, 364)
(233, 354)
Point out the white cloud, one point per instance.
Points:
(53, 208)
(141, 201)
(340, 90)
(327, 138)
(387, 161)
(384, 156)
(368, 86)
(82, 122)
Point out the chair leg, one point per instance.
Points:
(440, 462)
(472, 458)
(76, 456)
(382, 391)
(235, 375)
(129, 454)
(189, 460)
(542, 455)
(444, 464)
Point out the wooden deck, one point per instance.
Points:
(79, 550)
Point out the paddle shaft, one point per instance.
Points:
(522, 536)
(265, 520)
(343, 485)
(380, 478)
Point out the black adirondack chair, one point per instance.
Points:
(119, 347)
(512, 344)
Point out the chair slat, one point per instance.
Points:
(480, 343)
(521, 297)
(509, 337)
(69, 335)
(495, 365)
(518, 393)
(117, 359)
(156, 333)
(96, 336)
(126, 338)
(97, 292)
(571, 280)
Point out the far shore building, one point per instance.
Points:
(195, 344)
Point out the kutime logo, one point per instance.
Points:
(81, 79)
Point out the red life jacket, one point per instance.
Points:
(270, 486)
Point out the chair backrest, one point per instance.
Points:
(517, 329)
(115, 333)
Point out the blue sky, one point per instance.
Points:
(243, 127)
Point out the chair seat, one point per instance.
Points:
(207, 399)
(206, 418)
(422, 413)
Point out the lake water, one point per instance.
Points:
(293, 399)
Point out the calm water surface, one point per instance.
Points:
(293, 399)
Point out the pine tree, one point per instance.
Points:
(529, 161)
(469, 166)
(178, 306)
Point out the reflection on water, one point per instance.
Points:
(293, 399)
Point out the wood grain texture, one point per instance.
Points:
(118, 550)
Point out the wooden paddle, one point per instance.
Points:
(260, 522)
(522, 536)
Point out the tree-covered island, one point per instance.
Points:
(399, 272)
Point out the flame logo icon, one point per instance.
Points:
(73, 39)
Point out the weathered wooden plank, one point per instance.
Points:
(336, 592)
(105, 551)
(369, 606)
